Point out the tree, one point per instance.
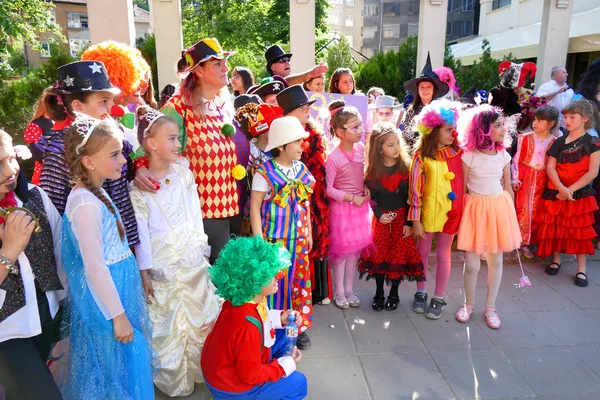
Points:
(279, 20)
(339, 55)
(22, 21)
(147, 46)
(142, 4)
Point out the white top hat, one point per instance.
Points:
(385, 101)
(285, 130)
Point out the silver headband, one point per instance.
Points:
(85, 125)
(150, 117)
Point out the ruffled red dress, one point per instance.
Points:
(567, 226)
(394, 257)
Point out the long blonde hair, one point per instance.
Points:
(103, 131)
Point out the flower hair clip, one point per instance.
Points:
(84, 125)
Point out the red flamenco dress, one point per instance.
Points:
(395, 258)
(567, 226)
(314, 157)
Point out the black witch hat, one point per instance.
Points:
(468, 97)
(427, 75)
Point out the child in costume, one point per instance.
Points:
(295, 103)
(566, 217)
(173, 257)
(489, 222)
(71, 94)
(529, 178)
(395, 257)
(110, 353)
(39, 126)
(350, 215)
(237, 359)
(279, 212)
(32, 283)
(436, 197)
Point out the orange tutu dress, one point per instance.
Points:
(489, 221)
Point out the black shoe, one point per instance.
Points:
(581, 282)
(552, 271)
(420, 302)
(378, 303)
(303, 341)
(392, 303)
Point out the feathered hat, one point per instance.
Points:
(446, 75)
(513, 75)
(437, 113)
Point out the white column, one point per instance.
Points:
(166, 19)
(111, 20)
(554, 37)
(486, 7)
(432, 33)
(302, 34)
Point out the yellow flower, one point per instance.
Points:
(238, 172)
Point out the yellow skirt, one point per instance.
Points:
(489, 224)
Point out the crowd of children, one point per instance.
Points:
(159, 294)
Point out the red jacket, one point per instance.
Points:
(234, 358)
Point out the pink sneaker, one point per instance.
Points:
(464, 313)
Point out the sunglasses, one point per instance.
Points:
(282, 60)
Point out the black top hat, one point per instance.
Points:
(292, 98)
(269, 85)
(273, 54)
(244, 99)
(84, 76)
(427, 75)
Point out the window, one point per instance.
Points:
(388, 48)
(368, 52)
(448, 28)
(391, 9)
(466, 28)
(336, 1)
(370, 10)
(391, 31)
(369, 32)
(349, 20)
(77, 20)
(350, 3)
(350, 40)
(413, 7)
(496, 4)
(334, 17)
(45, 50)
(76, 46)
(52, 16)
(467, 5)
(450, 8)
(413, 29)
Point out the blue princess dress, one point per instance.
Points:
(104, 281)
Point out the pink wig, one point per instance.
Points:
(475, 129)
(446, 75)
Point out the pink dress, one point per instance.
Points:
(350, 225)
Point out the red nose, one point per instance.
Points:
(454, 134)
(117, 111)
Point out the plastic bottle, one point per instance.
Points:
(291, 334)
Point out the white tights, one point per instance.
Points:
(472, 266)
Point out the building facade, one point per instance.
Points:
(344, 17)
(72, 17)
(517, 27)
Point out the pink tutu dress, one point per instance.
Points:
(350, 225)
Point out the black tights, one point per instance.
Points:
(380, 280)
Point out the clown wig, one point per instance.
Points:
(429, 121)
(126, 67)
(475, 129)
(245, 265)
(446, 75)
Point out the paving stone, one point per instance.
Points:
(201, 392)
(553, 372)
(543, 298)
(588, 297)
(505, 302)
(335, 378)
(447, 334)
(481, 375)
(518, 330)
(570, 327)
(327, 341)
(404, 376)
(589, 354)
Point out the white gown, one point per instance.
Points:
(173, 247)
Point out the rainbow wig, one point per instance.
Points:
(245, 265)
(435, 114)
(475, 129)
(126, 67)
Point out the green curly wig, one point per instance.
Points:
(245, 265)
